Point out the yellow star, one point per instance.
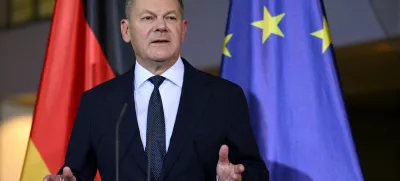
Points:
(269, 25)
(324, 35)
(225, 50)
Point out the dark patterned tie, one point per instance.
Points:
(156, 126)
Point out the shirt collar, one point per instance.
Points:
(174, 74)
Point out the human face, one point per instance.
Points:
(155, 29)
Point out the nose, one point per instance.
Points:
(161, 25)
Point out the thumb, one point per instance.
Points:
(223, 155)
(67, 173)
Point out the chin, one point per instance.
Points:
(161, 56)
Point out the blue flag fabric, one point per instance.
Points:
(280, 53)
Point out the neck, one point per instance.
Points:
(156, 67)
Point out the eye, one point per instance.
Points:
(147, 18)
(171, 17)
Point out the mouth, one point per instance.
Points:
(160, 41)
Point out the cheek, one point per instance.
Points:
(139, 39)
(176, 33)
(140, 32)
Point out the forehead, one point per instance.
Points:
(155, 5)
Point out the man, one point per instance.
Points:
(193, 126)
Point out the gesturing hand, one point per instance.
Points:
(227, 171)
(66, 176)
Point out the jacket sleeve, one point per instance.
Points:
(243, 148)
(80, 157)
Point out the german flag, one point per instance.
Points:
(85, 48)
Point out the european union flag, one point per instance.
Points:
(280, 53)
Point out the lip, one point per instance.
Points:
(160, 41)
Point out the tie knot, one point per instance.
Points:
(157, 80)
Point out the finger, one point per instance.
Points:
(239, 168)
(223, 154)
(48, 178)
(67, 174)
(52, 178)
(236, 177)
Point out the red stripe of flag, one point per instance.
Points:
(74, 63)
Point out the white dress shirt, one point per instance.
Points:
(170, 91)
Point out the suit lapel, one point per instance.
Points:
(192, 103)
(129, 135)
(130, 141)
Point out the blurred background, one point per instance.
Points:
(365, 35)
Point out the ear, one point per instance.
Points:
(184, 29)
(125, 30)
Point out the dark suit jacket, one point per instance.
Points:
(212, 112)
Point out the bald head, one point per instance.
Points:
(129, 4)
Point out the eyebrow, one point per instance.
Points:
(167, 13)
